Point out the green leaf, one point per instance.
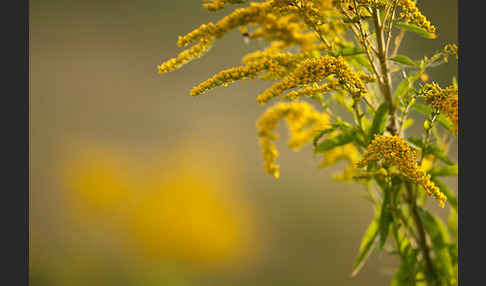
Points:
(422, 108)
(386, 217)
(334, 126)
(339, 140)
(379, 121)
(440, 244)
(441, 171)
(431, 149)
(452, 223)
(404, 60)
(406, 85)
(451, 197)
(416, 29)
(363, 60)
(368, 243)
(406, 272)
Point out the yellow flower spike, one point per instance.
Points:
(287, 30)
(445, 100)
(255, 13)
(208, 33)
(410, 13)
(275, 65)
(362, 3)
(303, 121)
(310, 90)
(186, 56)
(276, 21)
(216, 5)
(395, 151)
(314, 70)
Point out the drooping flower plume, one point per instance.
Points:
(395, 151)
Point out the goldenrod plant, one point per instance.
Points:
(326, 57)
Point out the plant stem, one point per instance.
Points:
(422, 239)
(386, 89)
(385, 82)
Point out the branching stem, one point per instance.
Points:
(385, 82)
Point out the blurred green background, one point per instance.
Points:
(96, 97)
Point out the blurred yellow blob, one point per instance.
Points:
(180, 207)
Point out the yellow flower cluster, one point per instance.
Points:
(412, 14)
(216, 5)
(316, 16)
(277, 20)
(276, 65)
(314, 70)
(208, 33)
(286, 29)
(255, 13)
(186, 56)
(303, 121)
(445, 100)
(310, 91)
(365, 3)
(395, 151)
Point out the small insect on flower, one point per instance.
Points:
(246, 38)
(245, 34)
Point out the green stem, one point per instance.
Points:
(422, 239)
(385, 82)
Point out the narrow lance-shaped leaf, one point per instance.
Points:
(390, 193)
(405, 85)
(334, 126)
(386, 217)
(339, 140)
(439, 237)
(431, 149)
(368, 243)
(416, 29)
(406, 272)
(404, 60)
(379, 121)
(441, 171)
(348, 51)
(452, 223)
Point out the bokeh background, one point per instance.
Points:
(133, 182)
